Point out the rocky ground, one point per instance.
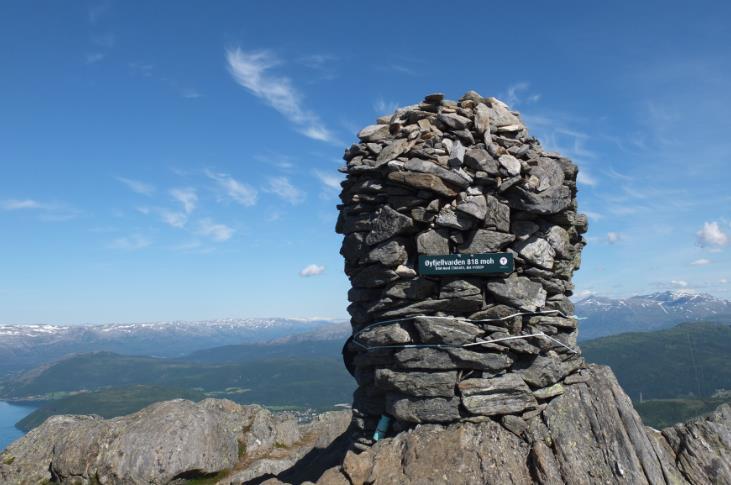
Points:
(590, 434)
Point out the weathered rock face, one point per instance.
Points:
(589, 434)
(444, 177)
(164, 442)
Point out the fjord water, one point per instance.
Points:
(9, 415)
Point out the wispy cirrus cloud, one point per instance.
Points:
(137, 186)
(134, 242)
(701, 262)
(187, 197)
(282, 187)
(329, 180)
(383, 107)
(252, 70)
(216, 231)
(47, 211)
(519, 93)
(232, 189)
(20, 204)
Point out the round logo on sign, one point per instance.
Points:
(503, 261)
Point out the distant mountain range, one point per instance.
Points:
(26, 346)
(602, 316)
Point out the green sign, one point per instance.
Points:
(450, 264)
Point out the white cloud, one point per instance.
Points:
(383, 107)
(131, 243)
(15, 204)
(701, 262)
(312, 270)
(175, 219)
(187, 198)
(679, 283)
(282, 187)
(329, 180)
(517, 94)
(613, 237)
(250, 70)
(242, 193)
(217, 232)
(723, 281)
(593, 215)
(585, 178)
(711, 235)
(49, 212)
(137, 186)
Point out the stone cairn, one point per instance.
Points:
(444, 177)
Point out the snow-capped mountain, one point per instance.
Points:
(25, 346)
(601, 316)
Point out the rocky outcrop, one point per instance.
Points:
(167, 442)
(589, 434)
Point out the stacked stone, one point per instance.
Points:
(444, 177)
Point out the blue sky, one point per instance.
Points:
(177, 160)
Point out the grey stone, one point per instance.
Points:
(511, 164)
(412, 289)
(454, 121)
(354, 247)
(548, 172)
(392, 150)
(544, 371)
(456, 154)
(507, 394)
(373, 276)
(519, 292)
(448, 331)
(482, 118)
(524, 229)
(560, 241)
(424, 358)
(486, 241)
(385, 335)
(422, 181)
(432, 242)
(480, 159)
(537, 251)
(434, 98)
(474, 205)
(425, 166)
(448, 217)
(551, 201)
(423, 384)
(497, 215)
(521, 345)
(422, 410)
(391, 253)
(387, 224)
(374, 133)
(459, 288)
(549, 392)
(500, 113)
(490, 362)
